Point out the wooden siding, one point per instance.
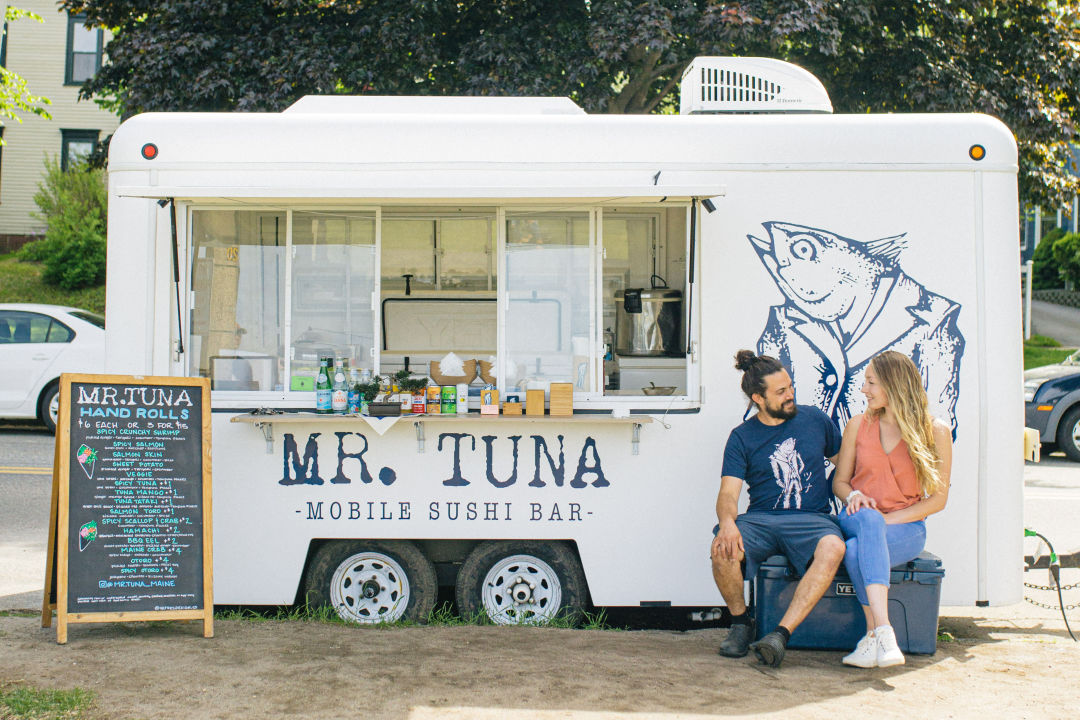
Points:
(36, 51)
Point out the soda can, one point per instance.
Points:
(434, 399)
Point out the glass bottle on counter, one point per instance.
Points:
(339, 397)
(323, 387)
(354, 391)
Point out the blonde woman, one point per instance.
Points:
(893, 470)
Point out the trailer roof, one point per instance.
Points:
(526, 155)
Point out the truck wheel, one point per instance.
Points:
(1068, 434)
(373, 581)
(522, 582)
(49, 407)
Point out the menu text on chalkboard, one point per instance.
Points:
(134, 520)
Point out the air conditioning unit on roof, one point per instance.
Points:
(750, 85)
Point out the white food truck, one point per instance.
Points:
(630, 256)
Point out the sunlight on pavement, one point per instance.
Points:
(475, 713)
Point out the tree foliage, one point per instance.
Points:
(1044, 268)
(73, 205)
(1066, 252)
(15, 95)
(1018, 60)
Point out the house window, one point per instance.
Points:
(76, 145)
(84, 50)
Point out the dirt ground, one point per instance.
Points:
(1013, 662)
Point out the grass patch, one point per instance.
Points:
(1039, 355)
(21, 282)
(32, 704)
(1042, 341)
(20, 613)
(295, 613)
(442, 615)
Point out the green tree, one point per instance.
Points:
(1066, 252)
(15, 96)
(72, 204)
(1019, 61)
(1044, 267)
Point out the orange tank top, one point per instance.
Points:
(889, 478)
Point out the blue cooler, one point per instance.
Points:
(837, 621)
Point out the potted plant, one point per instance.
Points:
(367, 392)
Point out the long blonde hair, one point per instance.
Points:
(906, 396)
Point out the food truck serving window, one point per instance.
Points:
(237, 303)
(591, 296)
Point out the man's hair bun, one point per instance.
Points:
(744, 359)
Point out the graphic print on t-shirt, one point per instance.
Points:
(788, 467)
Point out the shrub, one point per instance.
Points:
(1045, 275)
(77, 258)
(72, 203)
(1067, 255)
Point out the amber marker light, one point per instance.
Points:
(149, 151)
(1044, 408)
(976, 152)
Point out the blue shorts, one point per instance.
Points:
(792, 534)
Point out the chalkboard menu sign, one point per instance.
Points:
(131, 501)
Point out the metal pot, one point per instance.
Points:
(648, 322)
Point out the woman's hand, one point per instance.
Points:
(859, 501)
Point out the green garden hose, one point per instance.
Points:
(1055, 573)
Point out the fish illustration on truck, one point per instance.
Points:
(846, 301)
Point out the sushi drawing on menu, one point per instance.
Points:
(87, 457)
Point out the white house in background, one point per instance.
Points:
(54, 57)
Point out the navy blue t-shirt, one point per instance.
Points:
(784, 465)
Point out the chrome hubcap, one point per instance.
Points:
(369, 587)
(521, 589)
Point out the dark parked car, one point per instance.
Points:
(1052, 404)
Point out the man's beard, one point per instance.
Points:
(779, 413)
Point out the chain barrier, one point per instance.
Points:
(1051, 588)
(1050, 607)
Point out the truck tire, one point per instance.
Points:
(49, 406)
(522, 582)
(372, 581)
(1068, 434)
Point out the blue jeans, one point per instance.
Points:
(873, 547)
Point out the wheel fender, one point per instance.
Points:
(1063, 406)
(44, 390)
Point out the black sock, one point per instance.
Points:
(784, 633)
(741, 619)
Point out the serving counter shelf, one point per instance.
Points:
(266, 419)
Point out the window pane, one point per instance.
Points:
(83, 39)
(26, 327)
(238, 299)
(83, 66)
(333, 278)
(547, 280)
(58, 333)
(78, 150)
(408, 248)
(92, 318)
(629, 258)
(467, 248)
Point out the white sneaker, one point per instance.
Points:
(865, 654)
(888, 653)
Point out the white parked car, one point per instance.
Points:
(37, 343)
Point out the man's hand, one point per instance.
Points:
(727, 545)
